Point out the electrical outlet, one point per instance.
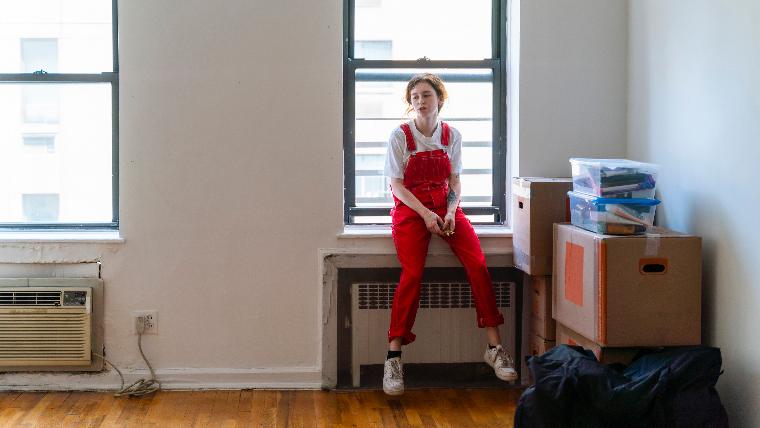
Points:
(149, 319)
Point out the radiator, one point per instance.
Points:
(446, 326)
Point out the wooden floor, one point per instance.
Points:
(417, 408)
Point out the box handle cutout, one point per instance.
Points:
(520, 204)
(653, 266)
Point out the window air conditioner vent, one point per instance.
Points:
(30, 298)
(432, 295)
(45, 326)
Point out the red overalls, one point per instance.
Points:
(427, 177)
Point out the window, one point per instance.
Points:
(58, 97)
(388, 42)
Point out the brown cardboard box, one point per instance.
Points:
(566, 336)
(537, 204)
(539, 345)
(541, 322)
(642, 290)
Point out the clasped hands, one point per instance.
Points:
(443, 227)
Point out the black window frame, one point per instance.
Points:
(498, 66)
(111, 77)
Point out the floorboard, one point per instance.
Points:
(262, 408)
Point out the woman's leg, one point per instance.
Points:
(411, 238)
(494, 338)
(466, 246)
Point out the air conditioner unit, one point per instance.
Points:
(445, 325)
(45, 326)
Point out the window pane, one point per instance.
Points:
(380, 107)
(387, 219)
(437, 29)
(78, 171)
(371, 219)
(482, 218)
(56, 36)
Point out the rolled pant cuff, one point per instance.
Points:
(491, 322)
(407, 337)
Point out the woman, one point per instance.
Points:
(424, 163)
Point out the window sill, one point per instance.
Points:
(62, 236)
(384, 231)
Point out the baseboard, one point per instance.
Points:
(171, 379)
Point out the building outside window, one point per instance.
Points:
(389, 41)
(39, 143)
(40, 103)
(40, 207)
(58, 121)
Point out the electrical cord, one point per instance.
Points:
(142, 386)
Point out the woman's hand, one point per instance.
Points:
(433, 222)
(448, 224)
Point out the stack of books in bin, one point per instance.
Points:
(613, 196)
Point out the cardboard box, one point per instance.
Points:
(537, 204)
(541, 322)
(642, 290)
(566, 336)
(539, 345)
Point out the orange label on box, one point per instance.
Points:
(574, 273)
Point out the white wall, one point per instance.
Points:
(231, 176)
(573, 81)
(694, 109)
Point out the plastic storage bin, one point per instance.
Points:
(614, 178)
(611, 216)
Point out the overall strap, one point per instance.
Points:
(445, 134)
(410, 144)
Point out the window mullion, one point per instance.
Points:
(497, 154)
(115, 150)
(349, 137)
(502, 111)
(456, 64)
(57, 226)
(58, 77)
(384, 211)
(115, 34)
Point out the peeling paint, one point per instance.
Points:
(328, 280)
(54, 252)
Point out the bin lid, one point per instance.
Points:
(599, 200)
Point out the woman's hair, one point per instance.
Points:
(434, 81)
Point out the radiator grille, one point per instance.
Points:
(30, 298)
(432, 295)
(44, 337)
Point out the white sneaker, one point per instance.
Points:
(393, 376)
(502, 363)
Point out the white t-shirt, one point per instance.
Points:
(398, 155)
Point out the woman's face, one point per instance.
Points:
(424, 99)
